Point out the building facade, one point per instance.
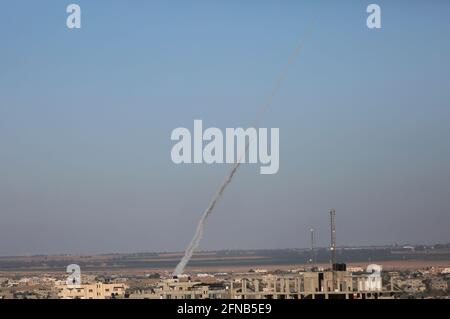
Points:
(92, 291)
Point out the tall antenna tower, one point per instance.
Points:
(312, 258)
(333, 248)
(333, 238)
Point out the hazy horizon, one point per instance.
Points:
(399, 245)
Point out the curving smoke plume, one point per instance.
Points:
(193, 245)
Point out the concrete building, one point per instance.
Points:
(439, 284)
(445, 270)
(372, 281)
(412, 285)
(92, 291)
(184, 288)
(304, 285)
(307, 285)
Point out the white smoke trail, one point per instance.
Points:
(199, 231)
(193, 245)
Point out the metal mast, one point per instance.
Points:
(333, 248)
(333, 237)
(312, 258)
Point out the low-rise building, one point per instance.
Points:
(184, 288)
(412, 285)
(439, 284)
(445, 270)
(97, 290)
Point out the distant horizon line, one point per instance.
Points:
(230, 249)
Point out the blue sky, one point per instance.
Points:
(86, 117)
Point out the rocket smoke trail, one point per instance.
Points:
(193, 245)
(201, 223)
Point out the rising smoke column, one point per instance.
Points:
(195, 242)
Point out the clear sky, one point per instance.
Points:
(86, 117)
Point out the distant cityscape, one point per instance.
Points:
(397, 271)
